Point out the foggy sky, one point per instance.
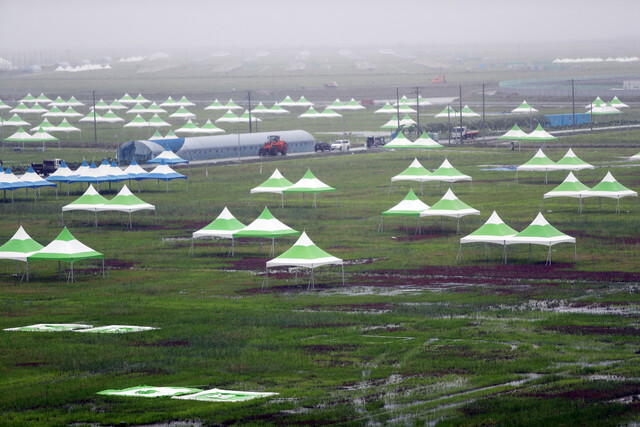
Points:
(175, 24)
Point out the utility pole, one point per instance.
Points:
(484, 136)
(250, 128)
(460, 99)
(573, 104)
(398, 108)
(418, 108)
(95, 126)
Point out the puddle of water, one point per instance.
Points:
(560, 306)
(373, 290)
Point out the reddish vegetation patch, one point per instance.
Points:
(426, 234)
(581, 234)
(322, 348)
(252, 264)
(607, 392)
(116, 264)
(163, 343)
(25, 364)
(593, 330)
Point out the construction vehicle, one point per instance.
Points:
(47, 167)
(273, 146)
(461, 133)
(442, 78)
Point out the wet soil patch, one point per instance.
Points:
(163, 343)
(29, 364)
(596, 392)
(117, 264)
(377, 306)
(593, 330)
(324, 348)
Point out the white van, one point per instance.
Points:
(341, 145)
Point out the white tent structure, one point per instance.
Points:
(310, 184)
(450, 206)
(447, 173)
(610, 188)
(571, 162)
(222, 227)
(19, 248)
(266, 226)
(275, 184)
(411, 206)
(570, 187)
(90, 201)
(415, 172)
(494, 231)
(524, 108)
(126, 202)
(304, 253)
(540, 232)
(539, 163)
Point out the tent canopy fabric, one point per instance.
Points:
(539, 134)
(540, 232)
(19, 247)
(609, 187)
(415, 172)
(400, 141)
(492, 231)
(449, 205)
(515, 134)
(308, 184)
(572, 162)
(304, 253)
(267, 226)
(125, 201)
(168, 157)
(91, 200)
(539, 162)
(275, 184)
(447, 173)
(570, 187)
(411, 205)
(524, 108)
(65, 247)
(223, 226)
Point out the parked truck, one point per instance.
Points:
(461, 133)
(47, 167)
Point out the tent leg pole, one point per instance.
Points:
(233, 244)
(458, 257)
(441, 224)
(103, 268)
(273, 246)
(529, 252)
(380, 225)
(343, 275)
(59, 270)
(191, 249)
(259, 245)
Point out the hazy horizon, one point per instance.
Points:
(156, 25)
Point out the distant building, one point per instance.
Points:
(631, 85)
(214, 147)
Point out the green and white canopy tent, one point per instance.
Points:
(215, 105)
(403, 101)
(20, 136)
(407, 121)
(21, 108)
(424, 142)
(101, 105)
(184, 102)
(137, 109)
(260, 109)
(449, 205)
(127, 99)
(246, 117)
(277, 109)
(399, 142)
(610, 188)
(524, 108)
(415, 172)
(447, 173)
(336, 105)
(304, 253)
(71, 113)
(448, 112)
(287, 102)
(155, 108)
(468, 112)
(45, 126)
(222, 227)
(182, 113)
(38, 109)
(329, 113)
(539, 163)
(411, 205)
(302, 102)
(570, 187)
(111, 117)
(117, 105)
(232, 105)
(571, 162)
(268, 227)
(210, 128)
(58, 102)
(141, 99)
(540, 135)
(91, 116)
(494, 231)
(596, 103)
(391, 124)
(310, 184)
(635, 157)
(386, 109)
(353, 105)
(90, 201)
(126, 202)
(20, 247)
(42, 136)
(170, 102)
(28, 98)
(57, 112)
(617, 103)
(73, 102)
(137, 122)
(275, 184)
(189, 127)
(311, 113)
(67, 248)
(228, 117)
(540, 232)
(50, 327)
(15, 120)
(515, 134)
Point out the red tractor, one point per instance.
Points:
(273, 146)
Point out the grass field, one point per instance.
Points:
(412, 338)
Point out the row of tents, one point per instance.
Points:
(64, 248)
(278, 184)
(87, 173)
(303, 253)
